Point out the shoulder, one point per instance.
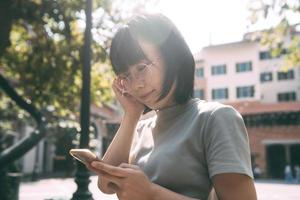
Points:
(212, 109)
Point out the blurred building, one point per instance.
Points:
(246, 76)
(274, 134)
(50, 157)
(242, 71)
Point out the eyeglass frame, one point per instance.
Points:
(127, 77)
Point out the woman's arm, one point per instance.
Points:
(118, 150)
(229, 186)
(131, 183)
(233, 186)
(228, 155)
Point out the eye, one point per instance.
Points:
(141, 67)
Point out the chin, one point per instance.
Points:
(153, 104)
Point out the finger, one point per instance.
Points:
(119, 90)
(113, 179)
(113, 187)
(118, 84)
(121, 85)
(129, 166)
(112, 170)
(116, 87)
(119, 81)
(91, 168)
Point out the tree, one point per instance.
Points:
(43, 58)
(287, 29)
(40, 58)
(40, 64)
(40, 61)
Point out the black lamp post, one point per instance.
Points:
(82, 175)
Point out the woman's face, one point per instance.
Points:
(145, 79)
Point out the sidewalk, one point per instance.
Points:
(58, 189)
(277, 190)
(63, 189)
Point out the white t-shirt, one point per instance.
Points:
(182, 147)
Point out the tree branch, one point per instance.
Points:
(23, 146)
(5, 24)
(10, 91)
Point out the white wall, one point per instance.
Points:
(29, 159)
(272, 88)
(244, 51)
(231, 54)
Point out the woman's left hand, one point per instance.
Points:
(128, 181)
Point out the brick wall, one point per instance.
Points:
(258, 134)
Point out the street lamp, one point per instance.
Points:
(82, 175)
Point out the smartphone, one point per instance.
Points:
(84, 155)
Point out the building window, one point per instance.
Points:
(220, 93)
(286, 96)
(218, 69)
(199, 93)
(266, 77)
(264, 55)
(243, 67)
(243, 92)
(285, 75)
(200, 72)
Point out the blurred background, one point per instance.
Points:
(247, 55)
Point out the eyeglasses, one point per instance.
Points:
(141, 71)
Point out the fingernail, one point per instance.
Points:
(94, 164)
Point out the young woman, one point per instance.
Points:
(189, 146)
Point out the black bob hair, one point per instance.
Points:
(157, 29)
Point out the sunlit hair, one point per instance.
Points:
(157, 29)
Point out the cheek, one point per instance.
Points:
(156, 81)
(133, 94)
(159, 85)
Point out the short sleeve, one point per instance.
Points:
(226, 143)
